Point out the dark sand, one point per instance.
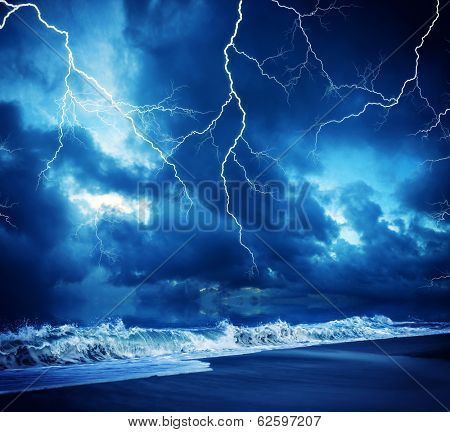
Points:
(354, 376)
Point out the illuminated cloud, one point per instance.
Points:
(222, 91)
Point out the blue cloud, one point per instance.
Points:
(370, 243)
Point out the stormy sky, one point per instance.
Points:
(74, 247)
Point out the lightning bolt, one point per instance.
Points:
(443, 276)
(382, 101)
(437, 122)
(4, 147)
(233, 94)
(102, 214)
(137, 116)
(443, 212)
(6, 205)
(7, 218)
(69, 98)
(368, 77)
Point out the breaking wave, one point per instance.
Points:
(70, 344)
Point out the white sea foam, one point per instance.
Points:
(69, 344)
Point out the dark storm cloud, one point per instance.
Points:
(389, 266)
(84, 161)
(428, 187)
(47, 273)
(34, 257)
(40, 254)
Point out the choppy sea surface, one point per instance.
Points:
(33, 358)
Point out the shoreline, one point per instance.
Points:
(348, 376)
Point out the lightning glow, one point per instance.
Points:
(98, 210)
(69, 98)
(103, 214)
(367, 84)
(443, 211)
(4, 207)
(144, 123)
(437, 279)
(4, 147)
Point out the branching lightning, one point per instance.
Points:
(443, 211)
(7, 205)
(103, 214)
(437, 279)
(4, 207)
(4, 147)
(69, 98)
(366, 85)
(143, 121)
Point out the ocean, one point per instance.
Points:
(46, 357)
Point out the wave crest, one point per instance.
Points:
(70, 344)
